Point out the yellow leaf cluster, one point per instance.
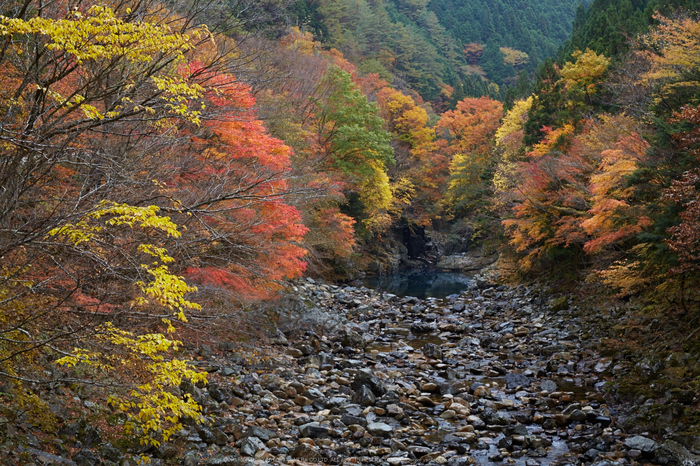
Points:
(674, 54)
(514, 57)
(168, 290)
(376, 194)
(514, 120)
(585, 71)
(145, 217)
(99, 36)
(165, 288)
(153, 412)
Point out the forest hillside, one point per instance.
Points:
(444, 50)
(176, 176)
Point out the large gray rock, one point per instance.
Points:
(259, 432)
(313, 430)
(672, 453)
(349, 419)
(251, 445)
(367, 378)
(643, 444)
(433, 351)
(473, 260)
(380, 429)
(48, 458)
(548, 385)
(514, 380)
(206, 435)
(363, 396)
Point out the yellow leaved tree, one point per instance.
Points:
(135, 367)
(88, 95)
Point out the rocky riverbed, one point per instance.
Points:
(494, 375)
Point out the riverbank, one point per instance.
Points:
(493, 375)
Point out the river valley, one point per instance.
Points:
(491, 375)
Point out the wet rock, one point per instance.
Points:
(363, 396)
(313, 430)
(422, 327)
(259, 432)
(514, 380)
(672, 453)
(548, 385)
(604, 421)
(577, 416)
(217, 394)
(220, 437)
(251, 445)
(380, 429)
(44, 457)
(349, 419)
(431, 350)
(644, 444)
(495, 457)
(500, 418)
(365, 377)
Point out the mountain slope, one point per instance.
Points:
(420, 44)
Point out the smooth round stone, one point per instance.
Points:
(448, 414)
(302, 401)
(379, 428)
(429, 387)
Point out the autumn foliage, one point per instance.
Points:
(137, 184)
(158, 178)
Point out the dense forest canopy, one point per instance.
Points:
(166, 168)
(443, 49)
(536, 29)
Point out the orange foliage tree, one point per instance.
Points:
(231, 183)
(466, 136)
(420, 171)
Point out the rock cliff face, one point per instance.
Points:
(405, 248)
(473, 260)
(410, 248)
